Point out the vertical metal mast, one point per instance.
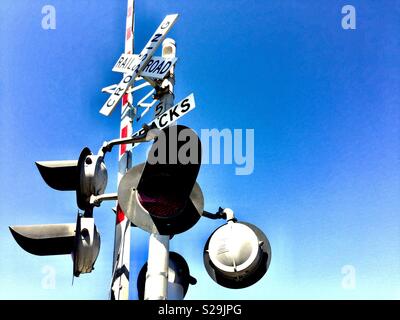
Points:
(156, 286)
(120, 279)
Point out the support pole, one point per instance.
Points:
(165, 93)
(156, 287)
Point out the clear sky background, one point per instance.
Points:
(323, 101)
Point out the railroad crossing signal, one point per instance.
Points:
(87, 176)
(80, 239)
(162, 196)
(237, 254)
(179, 277)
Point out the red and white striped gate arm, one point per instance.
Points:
(121, 269)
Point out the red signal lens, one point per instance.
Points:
(160, 198)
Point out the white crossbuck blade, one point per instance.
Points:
(171, 115)
(156, 68)
(141, 61)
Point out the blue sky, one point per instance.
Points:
(323, 102)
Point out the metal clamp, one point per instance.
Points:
(145, 137)
(226, 214)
